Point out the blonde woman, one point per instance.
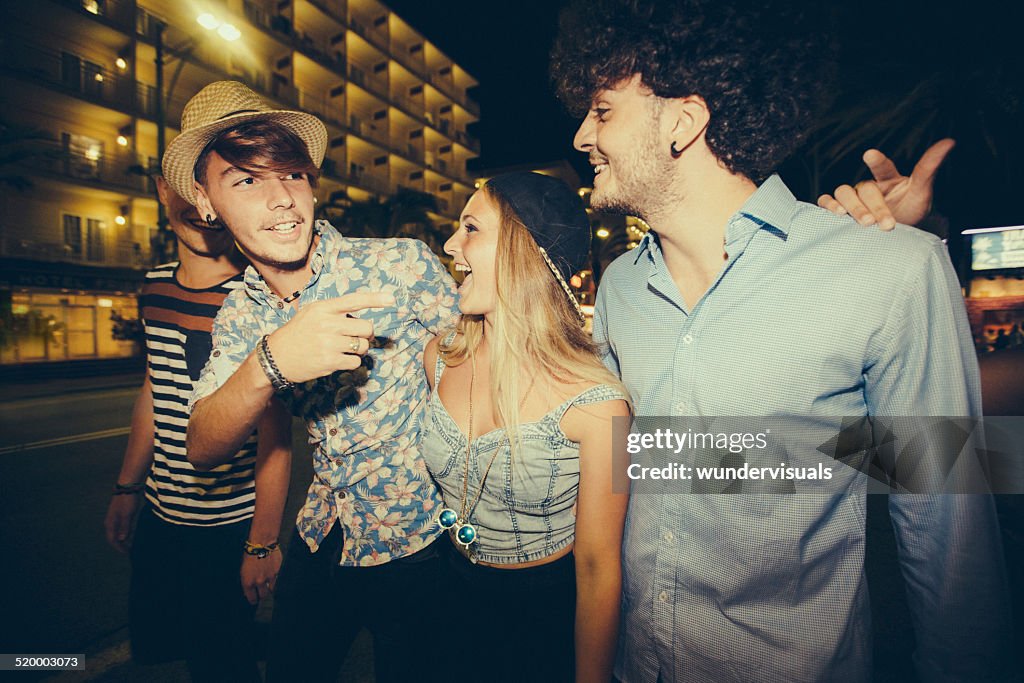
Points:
(518, 434)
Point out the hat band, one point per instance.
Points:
(239, 111)
(565, 286)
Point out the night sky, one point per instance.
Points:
(960, 64)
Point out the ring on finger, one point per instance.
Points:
(354, 346)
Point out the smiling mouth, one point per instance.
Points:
(600, 168)
(460, 268)
(284, 228)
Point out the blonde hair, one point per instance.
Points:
(535, 325)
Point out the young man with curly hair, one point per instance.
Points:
(749, 302)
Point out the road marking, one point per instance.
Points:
(65, 440)
(37, 401)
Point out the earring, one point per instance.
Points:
(676, 153)
(209, 219)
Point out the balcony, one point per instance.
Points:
(370, 182)
(124, 254)
(117, 13)
(119, 172)
(321, 106)
(365, 78)
(445, 85)
(69, 73)
(375, 37)
(321, 50)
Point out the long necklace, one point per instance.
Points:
(458, 523)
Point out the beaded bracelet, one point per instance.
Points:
(270, 369)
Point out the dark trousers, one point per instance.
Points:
(187, 602)
(319, 608)
(508, 625)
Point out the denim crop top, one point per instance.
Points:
(525, 512)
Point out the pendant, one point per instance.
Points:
(447, 518)
(466, 534)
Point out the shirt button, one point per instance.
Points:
(280, 304)
(669, 537)
(663, 596)
(333, 432)
(688, 339)
(342, 494)
(216, 354)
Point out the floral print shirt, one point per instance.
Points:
(363, 424)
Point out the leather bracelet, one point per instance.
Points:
(270, 369)
(128, 489)
(260, 551)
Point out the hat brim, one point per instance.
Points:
(181, 155)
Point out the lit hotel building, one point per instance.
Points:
(80, 109)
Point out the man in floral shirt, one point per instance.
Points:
(335, 328)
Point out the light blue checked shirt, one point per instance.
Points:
(811, 316)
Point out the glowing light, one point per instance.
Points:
(91, 6)
(120, 220)
(603, 232)
(229, 32)
(98, 78)
(576, 281)
(104, 303)
(93, 153)
(208, 21)
(121, 63)
(978, 231)
(122, 140)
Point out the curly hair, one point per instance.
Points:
(764, 71)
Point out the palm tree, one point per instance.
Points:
(902, 89)
(403, 214)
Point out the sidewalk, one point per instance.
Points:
(17, 391)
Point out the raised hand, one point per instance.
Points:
(326, 336)
(890, 197)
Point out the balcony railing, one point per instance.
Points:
(115, 12)
(121, 171)
(124, 255)
(330, 110)
(377, 38)
(370, 182)
(67, 71)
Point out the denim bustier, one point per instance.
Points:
(525, 511)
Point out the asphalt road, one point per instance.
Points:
(64, 590)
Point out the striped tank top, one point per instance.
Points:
(178, 322)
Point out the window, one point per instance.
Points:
(94, 239)
(83, 155)
(73, 235)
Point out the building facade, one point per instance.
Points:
(83, 95)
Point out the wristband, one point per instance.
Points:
(129, 489)
(270, 369)
(260, 551)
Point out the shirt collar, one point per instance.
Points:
(258, 289)
(771, 206)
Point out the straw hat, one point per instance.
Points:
(220, 106)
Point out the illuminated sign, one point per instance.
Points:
(992, 250)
